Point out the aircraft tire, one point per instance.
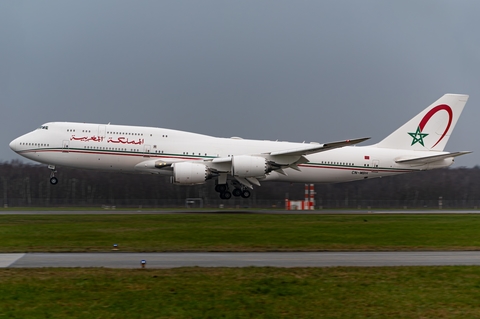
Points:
(225, 195)
(53, 181)
(220, 188)
(246, 193)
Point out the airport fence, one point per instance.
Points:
(239, 203)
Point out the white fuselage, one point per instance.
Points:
(121, 148)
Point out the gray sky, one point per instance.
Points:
(289, 70)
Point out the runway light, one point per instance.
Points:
(143, 263)
(115, 247)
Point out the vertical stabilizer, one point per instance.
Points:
(431, 128)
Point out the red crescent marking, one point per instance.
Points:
(432, 112)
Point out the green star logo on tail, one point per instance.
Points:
(417, 137)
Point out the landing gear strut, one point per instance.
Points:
(53, 179)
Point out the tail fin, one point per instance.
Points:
(431, 128)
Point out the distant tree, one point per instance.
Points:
(26, 184)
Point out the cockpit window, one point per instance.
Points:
(43, 127)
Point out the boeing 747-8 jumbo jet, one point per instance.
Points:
(237, 164)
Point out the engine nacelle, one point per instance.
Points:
(189, 173)
(249, 166)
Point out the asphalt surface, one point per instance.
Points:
(257, 259)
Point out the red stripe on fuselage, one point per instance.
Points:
(200, 158)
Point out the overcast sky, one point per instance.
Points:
(290, 70)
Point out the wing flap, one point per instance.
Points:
(316, 148)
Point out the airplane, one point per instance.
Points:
(237, 164)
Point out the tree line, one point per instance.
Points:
(28, 185)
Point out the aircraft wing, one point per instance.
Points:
(300, 151)
(280, 160)
(277, 160)
(316, 148)
(430, 159)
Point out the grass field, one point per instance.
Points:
(237, 232)
(394, 292)
(338, 292)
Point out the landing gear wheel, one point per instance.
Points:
(237, 192)
(246, 193)
(225, 195)
(220, 188)
(53, 179)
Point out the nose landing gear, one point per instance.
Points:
(53, 179)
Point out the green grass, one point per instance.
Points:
(338, 292)
(383, 292)
(238, 232)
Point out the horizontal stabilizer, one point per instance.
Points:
(316, 148)
(430, 159)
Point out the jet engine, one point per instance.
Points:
(188, 173)
(250, 166)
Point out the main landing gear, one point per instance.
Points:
(53, 179)
(237, 191)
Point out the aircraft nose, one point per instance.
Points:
(14, 145)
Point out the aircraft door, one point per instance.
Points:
(375, 164)
(65, 145)
(146, 151)
(101, 130)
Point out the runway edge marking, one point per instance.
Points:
(6, 260)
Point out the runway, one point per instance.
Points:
(257, 259)
(117, 259)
